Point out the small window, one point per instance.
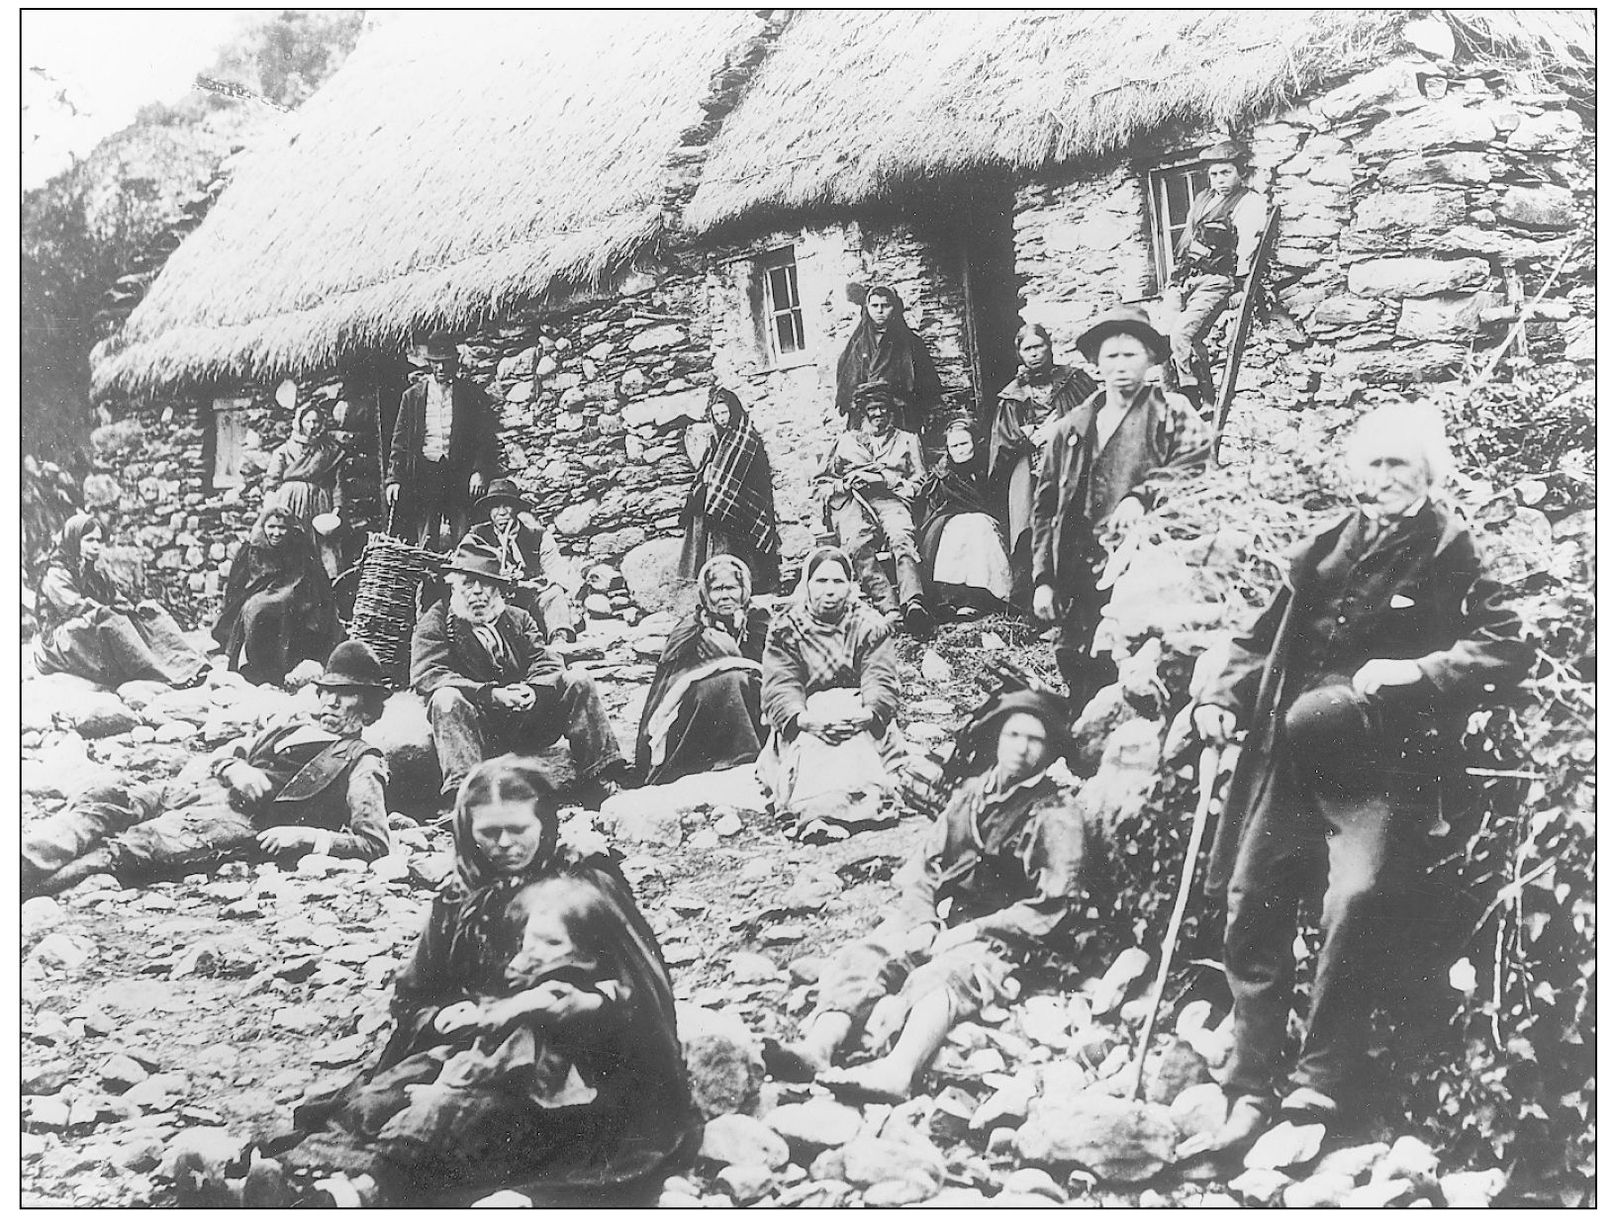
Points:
(229, 439)
(1171, 191)
(782, 304)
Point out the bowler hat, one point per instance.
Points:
(502, 490)
(441, 345)
(1132, 321)
(473, 557)
(876, 390)
(352, 664)
(1227, 151)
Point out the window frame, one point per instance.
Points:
(1162, 233)
(222, 475)
(781, 259)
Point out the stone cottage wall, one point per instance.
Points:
(1413, 230)
(793, 403)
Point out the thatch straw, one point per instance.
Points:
(852, 107)
(455, 166)
(460, 165)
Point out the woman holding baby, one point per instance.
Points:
(535, 1051)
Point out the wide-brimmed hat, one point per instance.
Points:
(353, 665)
(877, 390)
(1131, 321)
(473, 557)
(440, 345)
(502, 490)
(1228, 151)
(1049, 708)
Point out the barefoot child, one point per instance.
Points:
(995, 884)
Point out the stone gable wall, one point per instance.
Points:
(1413, 229)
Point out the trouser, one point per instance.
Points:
(1313, 825)
(465, 733)
(432, 495)
(1080, 606)
(1201, 300)
(859, 974)
(82, 825)
(861, 537)
(549, 604)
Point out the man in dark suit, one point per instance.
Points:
(1355, 685)
(445, 450)
(492, 685)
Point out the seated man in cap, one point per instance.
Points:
(1212, 261)
(492, 685)
(526, 549)
(1356, 685)
(868, 480)
(1100, 471)
(310, 784)
(991, 892)
(444, 450)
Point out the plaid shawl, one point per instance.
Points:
(739, 482)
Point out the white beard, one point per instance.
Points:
(460, 609)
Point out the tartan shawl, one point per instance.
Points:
(739, 483)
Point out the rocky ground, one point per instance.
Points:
(163, 1027)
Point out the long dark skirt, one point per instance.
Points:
(112, 648)
(276, 630)
(719, 725)
(704, 540)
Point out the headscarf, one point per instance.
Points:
(714, 567)
(292, 567)
(739, 480)
(950, 488)
(898, 357)
(67, 550)
(319, 432)
(278, 503)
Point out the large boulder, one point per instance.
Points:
(723, 1058)
(404, 736)
(1124, 1141)
(651, 573)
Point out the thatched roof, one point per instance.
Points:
(453, 166)
(850, 106)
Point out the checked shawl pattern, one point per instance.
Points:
(739, 487)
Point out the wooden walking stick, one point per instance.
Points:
(1209, 759)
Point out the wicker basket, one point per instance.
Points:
(384, 607)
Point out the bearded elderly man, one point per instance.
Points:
(1355, 685)
(492, 685)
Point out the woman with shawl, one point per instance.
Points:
(278, 609)
(704, 710)
(535, 1046)
(1041, 394)
(829, 692)
(307, 470)
(730, 505)
(96, 626)
(960, 540)
(884, 350)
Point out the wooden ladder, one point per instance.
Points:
(1254, 291)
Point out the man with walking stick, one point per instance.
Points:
(1355, 686)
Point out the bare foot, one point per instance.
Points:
(1246, 1120)
(881, 1080)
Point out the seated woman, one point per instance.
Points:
(965, 558)
(306, 471)
(308, 784)
(527, 549)
(92, 625)
(704, 710)
(729, 509)
(867, 482)
(278, 608)
(535, 1045)
(829, 691)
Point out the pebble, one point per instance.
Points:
(1259, 1185)
(1324, 1190)
(1408, 1157)
(747, 966)
(745, 1183)
(1034, 1181)
(727, 825)
(48, 1079)
(1286, 1145)
(1473, 1189)
(120, 1072)
(737, 1140)
(47, 1112)
(504, 1198)
(815, 1124)
(898, 1193)
(1377, 1193)
(64, 951)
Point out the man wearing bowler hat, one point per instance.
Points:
(1212, 259)
(307, 784)
(1355, 686)
(445, 450)
(491, 684)
(526, 550)
(1101, 469)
